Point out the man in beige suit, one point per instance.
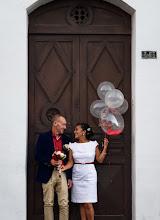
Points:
(47, 174)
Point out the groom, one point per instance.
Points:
(47, 174)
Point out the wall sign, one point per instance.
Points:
(149, 54)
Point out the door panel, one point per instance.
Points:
(79, 17)
(105, 58)
(53, 76)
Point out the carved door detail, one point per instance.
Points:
(66, 65)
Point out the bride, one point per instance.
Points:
(84, 176)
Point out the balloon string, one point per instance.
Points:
(109, 164)
(110, 169)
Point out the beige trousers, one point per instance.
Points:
(59, 185)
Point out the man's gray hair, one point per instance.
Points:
(56, 117)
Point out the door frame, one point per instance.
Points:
(130, 10)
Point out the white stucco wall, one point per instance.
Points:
(13, 111)
(147, 105)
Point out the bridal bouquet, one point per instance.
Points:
(59, 155)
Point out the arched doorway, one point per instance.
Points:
(74, 46)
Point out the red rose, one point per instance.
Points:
(58, 156)
(54, 157)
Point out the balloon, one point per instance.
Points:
(96, 108)
(111, 121)
(123, 108)
(103, 88)
(114, 98)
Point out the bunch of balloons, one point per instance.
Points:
(110, 108)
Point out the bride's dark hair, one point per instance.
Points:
(88, 129)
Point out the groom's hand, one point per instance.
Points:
(56, 163)
(59, 162)
(53, 162)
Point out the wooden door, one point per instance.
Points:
(66, 66)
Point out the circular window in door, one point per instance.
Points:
(49, 111)
(79, 15)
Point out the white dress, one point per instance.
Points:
(84, 176)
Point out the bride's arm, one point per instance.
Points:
(70, 162)
(100, 156)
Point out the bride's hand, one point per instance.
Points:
(62, 168)
(106, 142)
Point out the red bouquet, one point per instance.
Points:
(59, 155)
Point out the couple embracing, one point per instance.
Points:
(82, 178)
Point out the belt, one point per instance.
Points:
(85, 163)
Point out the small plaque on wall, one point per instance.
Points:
(149, 55)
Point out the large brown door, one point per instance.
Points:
(67, 61)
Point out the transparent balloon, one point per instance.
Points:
(114, 98)
(96, 108)
(123, 108)
(103, 88)
(111, 121)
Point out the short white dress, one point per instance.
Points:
(84, 176)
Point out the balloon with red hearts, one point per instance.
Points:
(111, 121)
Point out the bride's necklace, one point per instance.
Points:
(82, 142)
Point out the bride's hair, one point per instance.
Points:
(88, 129)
